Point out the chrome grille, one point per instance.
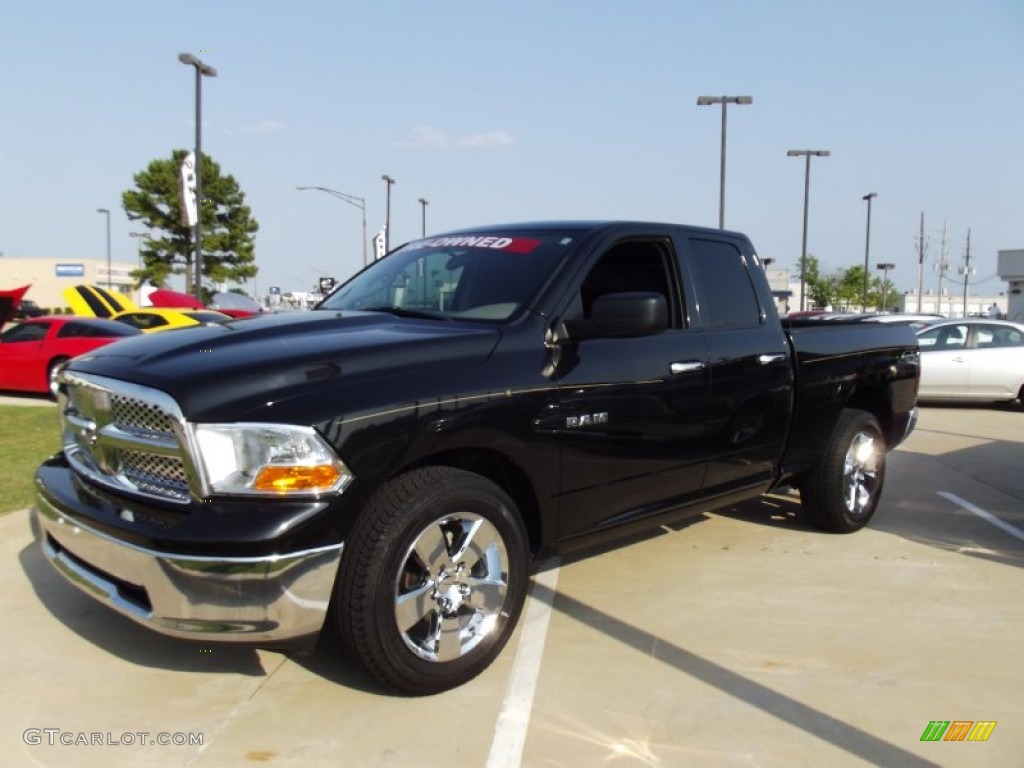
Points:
(135, 415)
(163, 475)
(126, 437)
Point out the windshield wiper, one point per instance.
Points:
(403, 312)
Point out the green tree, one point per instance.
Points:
(819, 287)
(228, 225)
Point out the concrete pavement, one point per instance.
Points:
(740, 638)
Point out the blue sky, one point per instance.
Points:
(526, 110)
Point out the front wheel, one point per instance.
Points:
(842, 492)
(432, 580)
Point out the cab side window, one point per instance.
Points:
(944, 337)
(727, 294)
(631, 266)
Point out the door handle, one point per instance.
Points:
(686, 366)
(769, 359)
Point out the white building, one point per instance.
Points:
(48, 277)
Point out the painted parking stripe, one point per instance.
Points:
(514, 719)
(988, 517)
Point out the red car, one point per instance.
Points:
(32, 352)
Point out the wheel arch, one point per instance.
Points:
(504, 472)
(874, 399)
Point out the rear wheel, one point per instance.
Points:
(432, 580)
(842, 492)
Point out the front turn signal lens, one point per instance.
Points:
(278, 479)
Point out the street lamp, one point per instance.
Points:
(144, 235)
(201, 70)
(423, 216)
(806, 153)
(704, 101)
(358, 202)
(867, 245)
(107, 212)
(388, 181)
(885, 266)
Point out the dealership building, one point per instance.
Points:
(49, 277)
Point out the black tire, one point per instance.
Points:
(840, 495)
(420, 620)
(51, 371)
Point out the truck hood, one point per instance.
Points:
(251, 366)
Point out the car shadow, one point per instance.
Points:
(122, 637)
(849, 738)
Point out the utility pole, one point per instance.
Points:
(942, 266)
(967, 268)
(920, 264)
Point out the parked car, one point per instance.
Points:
(32, 352)
(9, 300)
(91, 300)
(392, 463)
(150, 319)
(232, 304)
(28, 308)
(972, 359)
(914, 320)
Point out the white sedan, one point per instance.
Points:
(972, 359)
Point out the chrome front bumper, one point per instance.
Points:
(244, 599)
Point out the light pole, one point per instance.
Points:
(704, 101)
(388, 181)
(144, 235)
(201, 70)
(806, 153)
(867, 245)
(358, 202)
(885, 266)
(107, 212)
(423, 216)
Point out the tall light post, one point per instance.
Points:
(704, 101)
(423, 216)
(388, 181)
(201, 71)
(867, 246)
(808, 154)
(358, 202)
(143, 236)
(107, 212)
(885, 266)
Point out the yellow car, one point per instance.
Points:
(149, 319)
(86, 300)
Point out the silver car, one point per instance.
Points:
(972, 359)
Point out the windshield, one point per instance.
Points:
(230, 300)
(481, 276)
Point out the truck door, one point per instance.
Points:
(751, 404)
(630, 411)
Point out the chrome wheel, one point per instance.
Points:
(451, 587)
(860, 473)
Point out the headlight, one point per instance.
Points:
(272, 459)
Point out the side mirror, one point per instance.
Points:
(621, 315)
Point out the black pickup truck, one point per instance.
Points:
(391, 464)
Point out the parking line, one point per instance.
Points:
(514, 719)
(986, 516)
